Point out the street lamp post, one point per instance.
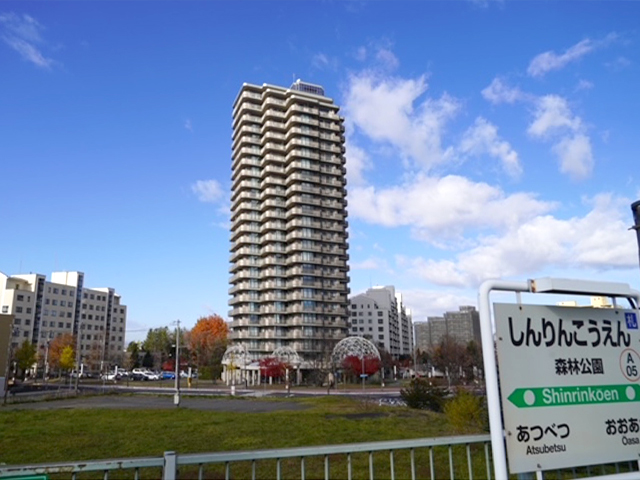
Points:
(176, 397)
(46, 362)
(78, 357)
(635, 209)
(362, 372)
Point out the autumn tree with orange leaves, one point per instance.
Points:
(208, 341)
(58, 358)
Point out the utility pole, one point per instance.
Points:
(176, 397)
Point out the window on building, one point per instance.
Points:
(18, 309)
(381, 329)
(5, 309)
(47, 301)
(56, 291)
(60, 325)
(20, 298)
(379, 313)
(17, 321)
(54, 302)
(63, 291)
(27, 322)
(28, 309)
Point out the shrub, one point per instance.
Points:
(421, 394)
(466, 412)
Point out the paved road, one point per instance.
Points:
(147, 401)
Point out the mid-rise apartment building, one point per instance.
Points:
(379, 315)
(289, 273)
(43, 309)
(462, 326)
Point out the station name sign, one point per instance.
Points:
(569, 383)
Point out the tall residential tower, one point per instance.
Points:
(289, 272)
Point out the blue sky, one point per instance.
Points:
(494, 139)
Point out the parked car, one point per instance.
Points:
(144, 374)
(168, 375)
(112, 376)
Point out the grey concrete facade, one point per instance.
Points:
(289, 273)
(379, 315)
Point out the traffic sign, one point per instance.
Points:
(569, 385)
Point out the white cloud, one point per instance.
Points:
(357, 162)
(443, 208)
(620, 63)
(22, 33)
(552, 115)
(584, 85)
(387, 111)
(187, 125)
(387, 58)
(553, 119)
(576, 158)
(433, 303)
(499, 92)
(483, 138)
(369, 264)
(361, 54)
(548, 61)
(322, 61)
(599, 241)
(208, 191)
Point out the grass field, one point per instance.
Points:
(55, 435)
(34, 436)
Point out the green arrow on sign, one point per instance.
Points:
(565, 396)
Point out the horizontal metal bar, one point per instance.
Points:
(189, 459)
(77, 467)
(224, 457)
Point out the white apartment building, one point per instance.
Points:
(379, 315)
(289, 273)
(44, 309)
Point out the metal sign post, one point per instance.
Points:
(568, 378)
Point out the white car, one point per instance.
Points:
(110, 376)
(144, 374)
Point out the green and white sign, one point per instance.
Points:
(569, 384)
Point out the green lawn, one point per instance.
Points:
(80, 434)
(38, 436)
